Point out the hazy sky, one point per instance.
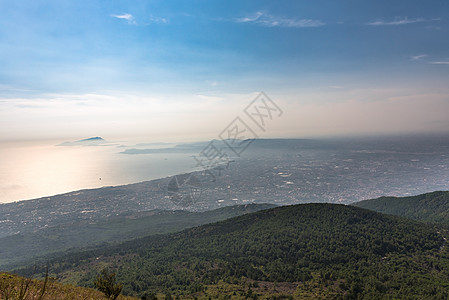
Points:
(184, 69)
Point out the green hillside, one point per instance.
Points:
(303, 251)
(430, 207)
(23, 247)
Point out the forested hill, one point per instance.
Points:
(430, 207)
(308, 250)
(19, 248)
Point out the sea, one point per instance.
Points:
(34, 169)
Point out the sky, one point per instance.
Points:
(183, 70)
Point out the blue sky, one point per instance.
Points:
(104, 60)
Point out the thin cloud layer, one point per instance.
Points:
(418, 57)
(434, 62)
(439, 62)
(268, 20)
(154, 19)
(396, 21)
(150, 19)
(127, 17)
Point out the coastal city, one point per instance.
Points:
(287, 172)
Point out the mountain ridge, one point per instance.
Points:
(429, 207)
(24, 247)
(329, 249)
(92, 141)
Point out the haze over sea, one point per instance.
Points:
(362, 167)
(34, 169)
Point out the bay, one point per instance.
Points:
(33, 169)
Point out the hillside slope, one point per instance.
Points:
(308, 250)
(429, 207)
(23, 247)
(11, 287)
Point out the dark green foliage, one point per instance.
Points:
(360, 253)
(82, 234)
(430, 207)
(106, 283)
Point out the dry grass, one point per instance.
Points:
(14, 287)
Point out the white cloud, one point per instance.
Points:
(418, 57)
(151, 19)
(127, 17)
(253, 18)
(268, 20)
(117, 114)
(154, 19)
(439, 62)
(396, 21)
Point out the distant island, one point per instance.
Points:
(93, 141)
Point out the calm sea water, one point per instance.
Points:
(30, 170)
